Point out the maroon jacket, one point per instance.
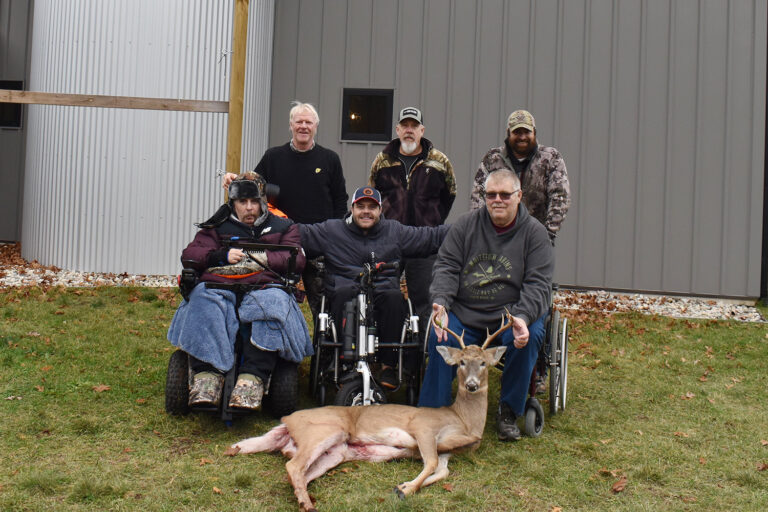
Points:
(207, 249)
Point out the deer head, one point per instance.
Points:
(473, 361)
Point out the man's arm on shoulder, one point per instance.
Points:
(558, 193)
(420, 241)
(314, 238)
(476, 196)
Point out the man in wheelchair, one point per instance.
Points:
(365, 237)
(239, 284)
(494, 259)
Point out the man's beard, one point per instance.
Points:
(409, 147)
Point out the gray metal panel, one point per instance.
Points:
(118, 190)
(13, 57)
(657, 106)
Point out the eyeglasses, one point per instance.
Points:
(504, 196)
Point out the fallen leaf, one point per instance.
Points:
(127, 450)
(203, 462)
(762, 466)
(448, 487)
(702, 460)
(606, 441)
(40, 388)
(101, 388)
(59, 312)
(215, 489)
(703, 378)
(556, 509)
(764, 442)
(620, 485)
(141, 400)
(687, 396)
(47, 368)
(232, 451)
(689, 499)
(680, 434)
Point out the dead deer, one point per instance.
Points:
(317, 440)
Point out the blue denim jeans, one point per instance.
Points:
(515, 379)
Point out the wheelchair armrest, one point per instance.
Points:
(187, 282)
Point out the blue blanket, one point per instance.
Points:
(205, 326)
(277, 324)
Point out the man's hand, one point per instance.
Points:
(227, 179)
(440, 317)
(520, 330)
(235, 256)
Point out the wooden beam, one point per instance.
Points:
(236, 86)
(90, 100)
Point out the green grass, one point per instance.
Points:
(676, 406)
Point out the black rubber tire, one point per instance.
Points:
(534, 418)
(554, 361)
(283, 396)
(352, 391)
(412, 395)
(564, 332)
(177, 384)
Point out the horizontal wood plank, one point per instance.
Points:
(90, 100)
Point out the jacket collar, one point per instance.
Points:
(393, 148)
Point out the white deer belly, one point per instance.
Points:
(390, 436)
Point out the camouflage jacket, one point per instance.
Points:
(425, 196)
(546, 192)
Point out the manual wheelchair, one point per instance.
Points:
(552, 362)
(281, 392)
(346, 348)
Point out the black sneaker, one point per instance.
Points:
(506, 424)
(388, 378)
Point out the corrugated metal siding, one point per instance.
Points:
(657, 106)
(258, 82)
(13, 64)
(118, 190)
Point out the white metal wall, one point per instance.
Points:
(117, 190)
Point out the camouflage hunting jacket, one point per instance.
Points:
(422, 198)
(546, 192)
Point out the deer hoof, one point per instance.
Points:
(400, 493)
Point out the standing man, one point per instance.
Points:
(494, 259)
(311, 181)
(417, 187)
(541, 169)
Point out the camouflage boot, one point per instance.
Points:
(248, 392)
(206, 389)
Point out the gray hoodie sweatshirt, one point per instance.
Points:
(480, 272)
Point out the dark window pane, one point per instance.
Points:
(367, 114)
(10, 113)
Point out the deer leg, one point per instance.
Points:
(330, 459)
(441, 471)
(428, 450)
(311, 443)
(272, 441)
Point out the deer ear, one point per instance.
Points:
(494, 354)
(450, 354)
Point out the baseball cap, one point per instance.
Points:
(521, 119)
(366, 193)
(411, 113)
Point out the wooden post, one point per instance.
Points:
(236, 86)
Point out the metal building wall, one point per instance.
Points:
(657, 106)
(13, 66)
(118, 190)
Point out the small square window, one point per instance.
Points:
(367, 115)
(10, 113)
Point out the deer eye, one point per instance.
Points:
(482, 365)
(461, 363)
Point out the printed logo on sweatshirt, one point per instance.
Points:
(486, 274)
(318, 170)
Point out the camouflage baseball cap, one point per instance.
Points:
(521, 119)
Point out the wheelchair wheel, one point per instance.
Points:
(177, 384)
(555, 374)
(563, 362)
(283, 397)
(534, 418)
(351, 393)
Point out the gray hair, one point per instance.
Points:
(298, 107)
(505, 174)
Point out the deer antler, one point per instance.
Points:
(446, 329)
(504, 327)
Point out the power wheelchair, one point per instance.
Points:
(281, 392)
(346, 348)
